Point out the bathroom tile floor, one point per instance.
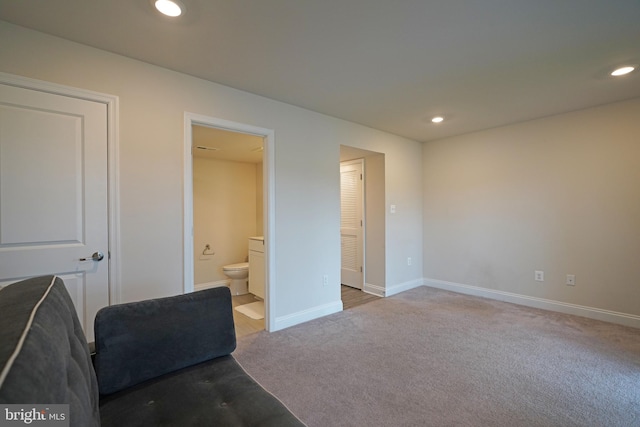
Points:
(245, 325)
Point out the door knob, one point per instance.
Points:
(97, 256)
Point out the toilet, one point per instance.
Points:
(238, 273)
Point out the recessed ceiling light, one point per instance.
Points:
(171, 8)
(622, 71)
(437, 119)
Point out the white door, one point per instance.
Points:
(53, 194)
(351, 224)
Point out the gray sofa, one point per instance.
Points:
(162, 362)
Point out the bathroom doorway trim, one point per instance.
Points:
(268, 135)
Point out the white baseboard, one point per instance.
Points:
(546, 304)
(373, 289)
(306, 315)
(207, 285)
(401, 287)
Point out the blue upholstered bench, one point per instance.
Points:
(161, 362)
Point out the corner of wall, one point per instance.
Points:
(303, 316)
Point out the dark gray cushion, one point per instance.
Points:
(44, 357)
(139, 341)
(213, 393)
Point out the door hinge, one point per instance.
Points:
(360, 269)
(360, 177)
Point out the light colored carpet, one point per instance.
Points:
(428, 357)
(254, 310)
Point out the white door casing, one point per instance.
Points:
(352, 223)
(54, 193)
(268, 135)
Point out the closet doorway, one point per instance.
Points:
(352, 223)
(370, 200)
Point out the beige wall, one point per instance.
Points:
(224, 214)
(559, 194)
(402, 169)
(152, 103)
(375, 228)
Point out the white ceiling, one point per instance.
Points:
(226, 145)
(386, 64)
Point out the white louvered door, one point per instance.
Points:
(351, 224)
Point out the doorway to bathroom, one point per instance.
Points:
(227, 215)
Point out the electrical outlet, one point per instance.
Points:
(571, 279)
(325, 280)
(409, 261)
(392, 208)
(539, 275)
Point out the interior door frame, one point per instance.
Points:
(268, 174)
(363, 231)
(111, 103)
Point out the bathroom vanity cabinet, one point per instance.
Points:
(256, 266)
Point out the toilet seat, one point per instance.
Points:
(236, 267)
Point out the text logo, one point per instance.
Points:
(34, 415)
